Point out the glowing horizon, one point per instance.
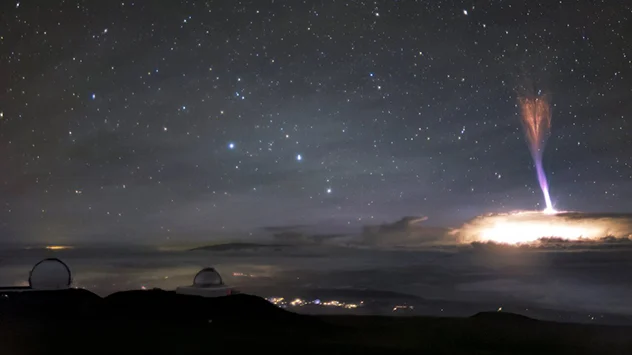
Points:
(58, 247)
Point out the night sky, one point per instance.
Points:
(153, 121)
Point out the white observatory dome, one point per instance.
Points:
(50, 274)
(207, 277)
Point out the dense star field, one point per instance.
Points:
(140, 121)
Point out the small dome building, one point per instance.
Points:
(208, 277)
(206, 283)
(50, 274)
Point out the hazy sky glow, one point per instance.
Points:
(449, 281)
(129, 121)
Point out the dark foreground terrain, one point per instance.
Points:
(161, 322)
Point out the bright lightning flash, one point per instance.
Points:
(527, 227)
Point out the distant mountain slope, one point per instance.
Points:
(156, 321)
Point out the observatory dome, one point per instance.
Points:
(207, 283)
(50, 274)
(207, 277)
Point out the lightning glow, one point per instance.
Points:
(536, 120)
(528, 227)
(58, 247)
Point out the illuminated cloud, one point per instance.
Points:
(525, 227)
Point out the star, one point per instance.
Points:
(231, 145)
(299, 157)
